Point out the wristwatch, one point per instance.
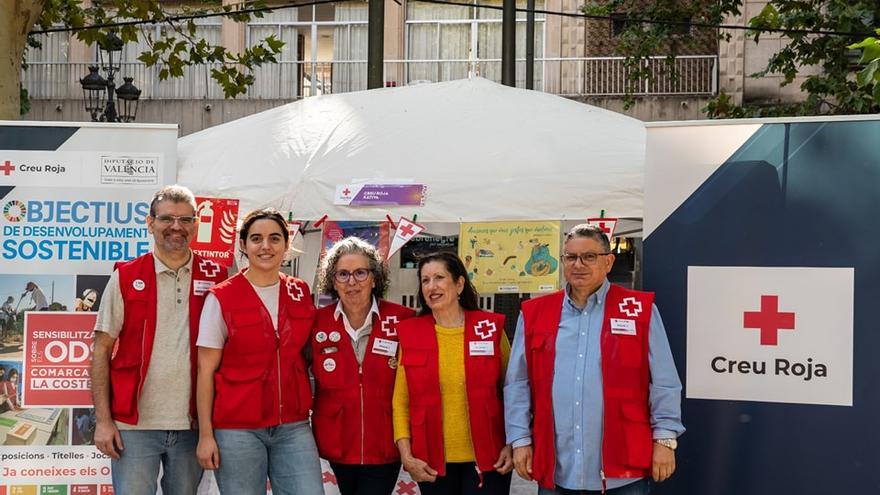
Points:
(669, 443)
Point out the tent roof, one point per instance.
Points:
(484, 151)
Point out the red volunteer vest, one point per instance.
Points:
(484, 379)
(352, 416)
(128, 368)
(627, 444)
(262, 380)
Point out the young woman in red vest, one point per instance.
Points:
(354, 349)
(253, 389)
(448, 410)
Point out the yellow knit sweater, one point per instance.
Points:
(456, 425)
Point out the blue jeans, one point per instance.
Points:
(641, 487)
(136, 472)
(286, 454)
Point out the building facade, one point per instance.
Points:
(325, 52)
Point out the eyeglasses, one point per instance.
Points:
(586, 258)
(343, 276)
(170, 219)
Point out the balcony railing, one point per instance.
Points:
(588, 76)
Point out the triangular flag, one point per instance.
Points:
(406, 230)
(606, 224)
(293, 229)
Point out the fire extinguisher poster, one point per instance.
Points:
(215, 229)
(57, 359)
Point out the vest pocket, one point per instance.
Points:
(387, 445)
(329, 370)
(239, 398)
(418, 430)
(328, 420)
(637, 434)
(629, 348)
(124, 376)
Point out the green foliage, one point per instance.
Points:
(179, 46)
(824, 62)
(24, 100)
(639, 40)
(869, 76)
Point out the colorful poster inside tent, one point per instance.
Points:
(511, 256)
(376, 233)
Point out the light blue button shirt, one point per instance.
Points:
(577, 392)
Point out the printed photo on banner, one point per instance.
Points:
(511, 256)
(10, 385)
(21, 426)
(82, 426)
(57, 361)
(423, 244)
(21, 293)
(89, 289)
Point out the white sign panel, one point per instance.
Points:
(770, 334)
(68, 169)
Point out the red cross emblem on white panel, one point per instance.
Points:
(769, 320)
(631, 307)
(209, 268)
(485, 329)
(389, 325)
(294, 290)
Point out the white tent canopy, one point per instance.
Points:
(484, 151)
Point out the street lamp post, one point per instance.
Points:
(99, 94)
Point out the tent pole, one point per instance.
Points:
(530, 44)
(375, 44)
(508, 43)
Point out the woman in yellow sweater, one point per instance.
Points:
(447, 405)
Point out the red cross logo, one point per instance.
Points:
(389, 326)
(769, 320)
(406, 487)
(329, 477)
(7, 168)
(631, 307)
(487, 325)
(346, 191)
(209, 268)
(294, 290)
(605, 228)
(406, 230)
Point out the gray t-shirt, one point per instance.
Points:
(165, 394)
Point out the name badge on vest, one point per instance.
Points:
(384, 347)
(200, 287)
(482, 348)
(622, 326)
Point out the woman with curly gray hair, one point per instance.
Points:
(354, 349)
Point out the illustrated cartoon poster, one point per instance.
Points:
(511, 256)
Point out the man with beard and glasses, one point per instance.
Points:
(143, 392)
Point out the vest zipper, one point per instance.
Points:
(361, 385)
(278, 375)
(141, 370)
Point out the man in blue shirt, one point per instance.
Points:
(592, 364)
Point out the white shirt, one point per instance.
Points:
(212, 329)
(359, 336)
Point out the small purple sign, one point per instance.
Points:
(380, 194)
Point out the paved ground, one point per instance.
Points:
(518, 487)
